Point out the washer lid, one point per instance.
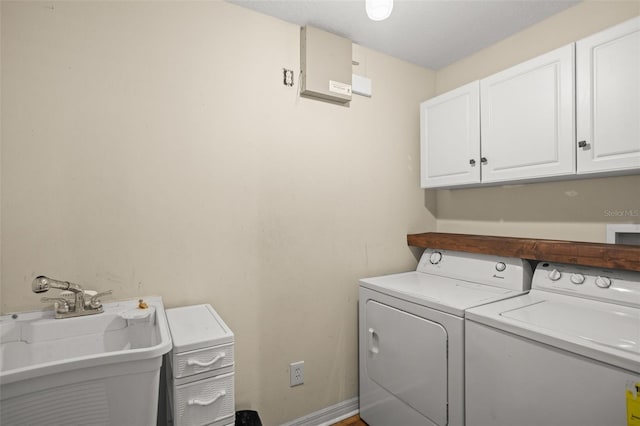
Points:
(444, 294)
(604, 331)
(195, 327)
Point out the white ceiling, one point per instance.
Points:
(430, 33)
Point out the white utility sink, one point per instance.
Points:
(98, 369)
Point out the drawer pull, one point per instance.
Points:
(209, 402)
(206, 364)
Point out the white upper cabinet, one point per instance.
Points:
(608, 102)
(527, 119)
(450, 138)
(574, 111)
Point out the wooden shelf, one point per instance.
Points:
(612, 256)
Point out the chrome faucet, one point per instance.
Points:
(67, 308)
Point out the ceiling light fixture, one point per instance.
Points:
(378, 10)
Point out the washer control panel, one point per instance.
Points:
(612, 285)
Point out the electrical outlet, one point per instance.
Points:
(296, 372)
(287, 77)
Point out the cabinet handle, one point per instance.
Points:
(206, 364)
(483, 160)
(472, 162)
(582, 144)
(209, 402)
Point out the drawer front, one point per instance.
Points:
(202, 360)
(204, 402)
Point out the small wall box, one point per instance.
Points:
(325, 61)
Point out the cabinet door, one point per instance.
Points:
(450, 138)
(527, 119)
(608, 85)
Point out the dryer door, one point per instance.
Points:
(407, 356)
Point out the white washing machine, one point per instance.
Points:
(565, 354)
(411, 337)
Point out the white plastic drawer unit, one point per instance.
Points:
(201, 367)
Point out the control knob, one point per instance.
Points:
(577, 278)
(554, 275)
(603, 282)
(501, 266)
(435, 257)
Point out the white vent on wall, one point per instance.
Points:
(624, 234)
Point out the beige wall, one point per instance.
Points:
(151, 148)
(573, 210)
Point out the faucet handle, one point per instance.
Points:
(61, 305)
(94, 302)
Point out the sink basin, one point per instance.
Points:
(104, 368)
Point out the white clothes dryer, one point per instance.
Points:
(565, 354)
(411, 334)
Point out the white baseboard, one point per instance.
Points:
(329, 415)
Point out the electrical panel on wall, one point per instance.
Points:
(325, 61)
